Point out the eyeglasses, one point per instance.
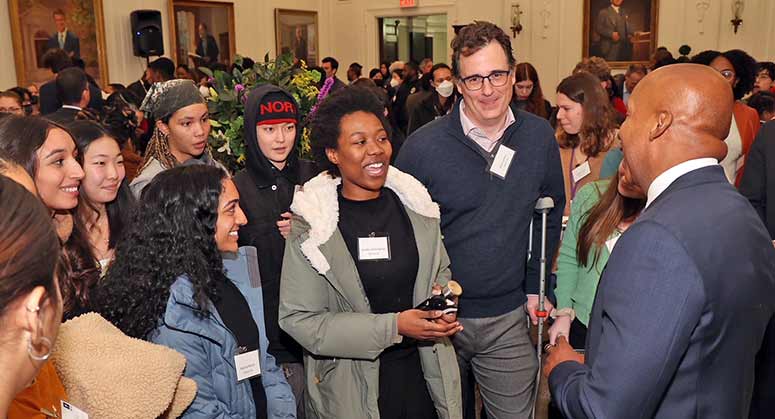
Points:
(497, 78)
(14, 109)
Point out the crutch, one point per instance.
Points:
(543, 206)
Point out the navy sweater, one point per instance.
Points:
(485, 219)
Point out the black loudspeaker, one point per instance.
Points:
(147, 39)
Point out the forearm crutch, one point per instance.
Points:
(543, 206)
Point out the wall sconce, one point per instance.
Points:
(737, 11)
(516, 26)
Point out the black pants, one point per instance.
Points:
(403, 392)
(577, 339)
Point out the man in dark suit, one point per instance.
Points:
(64, 38)
(300, 45)
(330, 67)
(72, 88)
(683, 304)
(613, 28)
(206, 47)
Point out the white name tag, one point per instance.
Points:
(248, 365)
(581, 172)
(373, 248)
(71, 412)
(610, 243)
(500, 166)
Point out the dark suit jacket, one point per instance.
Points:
(608, 22)
(680, 312)
(72, 43)
(63, 116)
(212, 49)
(758, 184)
(49, 102)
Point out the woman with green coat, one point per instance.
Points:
(364, 249)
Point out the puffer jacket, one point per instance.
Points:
(324, 307)
(209, 347)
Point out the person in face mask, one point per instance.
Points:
(266, 187)
(439, 103)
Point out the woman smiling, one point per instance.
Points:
(365, 248)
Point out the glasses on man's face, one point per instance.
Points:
(497, 78)
(727, 74)
(13, 109)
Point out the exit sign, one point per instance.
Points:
(408, 3)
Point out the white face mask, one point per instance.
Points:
(446, 88)
(394, 83)
(204, 91)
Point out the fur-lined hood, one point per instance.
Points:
(318, 204)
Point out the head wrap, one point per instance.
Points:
(165, 98)
(276, 108)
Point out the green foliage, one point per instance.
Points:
(230, 90)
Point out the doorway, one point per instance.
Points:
(413, 38)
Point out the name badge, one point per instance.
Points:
(500, 165)
(581, 172)
(610, 243)
(71, 412)
(374, 248)
(248, 365)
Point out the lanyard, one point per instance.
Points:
(573, 183)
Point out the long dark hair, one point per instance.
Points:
(535, 102)
(29, 249)
(85, 133)
(600, 222)
(22, 136)
(598, 122)
(171, 234)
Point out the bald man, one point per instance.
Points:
(683, 304)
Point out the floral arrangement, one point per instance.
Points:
(229, 91)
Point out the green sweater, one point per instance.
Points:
(577, 285)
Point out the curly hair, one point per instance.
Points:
(171, 234)
(595, 66)
(476, 36)
(598, 123)
(745, 68)
(326, 125)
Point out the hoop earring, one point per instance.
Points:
(31, 351)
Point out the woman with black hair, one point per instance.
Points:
(180, 280)
(739, 70)
(105, 200)
(122, 119)
(365, 248)
(181, 132)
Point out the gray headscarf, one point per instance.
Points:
(164, 98)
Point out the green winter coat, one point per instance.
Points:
(324, 307)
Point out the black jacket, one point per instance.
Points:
(211, 57)
(758, 183)
(429, 109)
(399, 104)
(49, 102)
(63, 116)
(265, 193)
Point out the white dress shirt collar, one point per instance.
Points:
(663, 181)
(77, 108)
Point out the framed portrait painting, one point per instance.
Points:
(76, 26)
(202, 32)
(296, 31)
(621, 31)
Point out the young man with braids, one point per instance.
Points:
(181, 131)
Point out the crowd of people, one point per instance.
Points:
(293, 288)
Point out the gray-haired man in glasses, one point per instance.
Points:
(486, 164)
